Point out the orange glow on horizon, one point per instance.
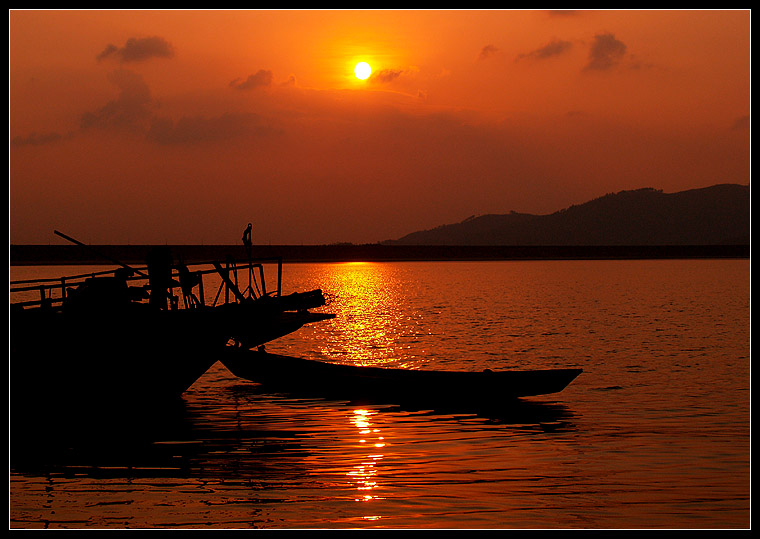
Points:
(124, 123)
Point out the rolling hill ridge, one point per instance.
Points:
(716, 215)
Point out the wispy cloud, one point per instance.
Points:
(138, 50)
(606, 52)
(200, 129)
(128, 111)
(261, 79)
(385, 76)
(38, 139)
(555, 48)
(487, 52)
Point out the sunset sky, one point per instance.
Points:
(181, 127)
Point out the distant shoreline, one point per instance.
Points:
(29, 255)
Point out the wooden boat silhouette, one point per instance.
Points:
(391, 385)
(132, 337)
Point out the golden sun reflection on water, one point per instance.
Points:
(371, 330)
(364, 474)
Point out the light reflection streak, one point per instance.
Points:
(371, 330)
(364, 474)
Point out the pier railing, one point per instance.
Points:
(52, 292)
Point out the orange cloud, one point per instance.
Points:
(200, 129)
(262, 78)
(487, 52)
(606, 52)
(38, 139)
(129, 111)
(138, 50)
(555, 48)
(385, 76)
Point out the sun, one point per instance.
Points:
(362, 70)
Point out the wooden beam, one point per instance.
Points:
(226, 278)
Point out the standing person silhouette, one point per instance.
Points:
(248, 249)
(247, 240)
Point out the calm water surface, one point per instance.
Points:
(654, 434)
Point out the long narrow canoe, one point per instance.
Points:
(377, 384)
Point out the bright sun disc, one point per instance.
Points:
(362, 70)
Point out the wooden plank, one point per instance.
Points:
(226, 278)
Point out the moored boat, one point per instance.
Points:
(132, 337)
(391, 385)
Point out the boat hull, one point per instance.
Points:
(128, 358)
(111, 361)
(377, 384)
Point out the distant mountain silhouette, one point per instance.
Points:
(717, 215)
